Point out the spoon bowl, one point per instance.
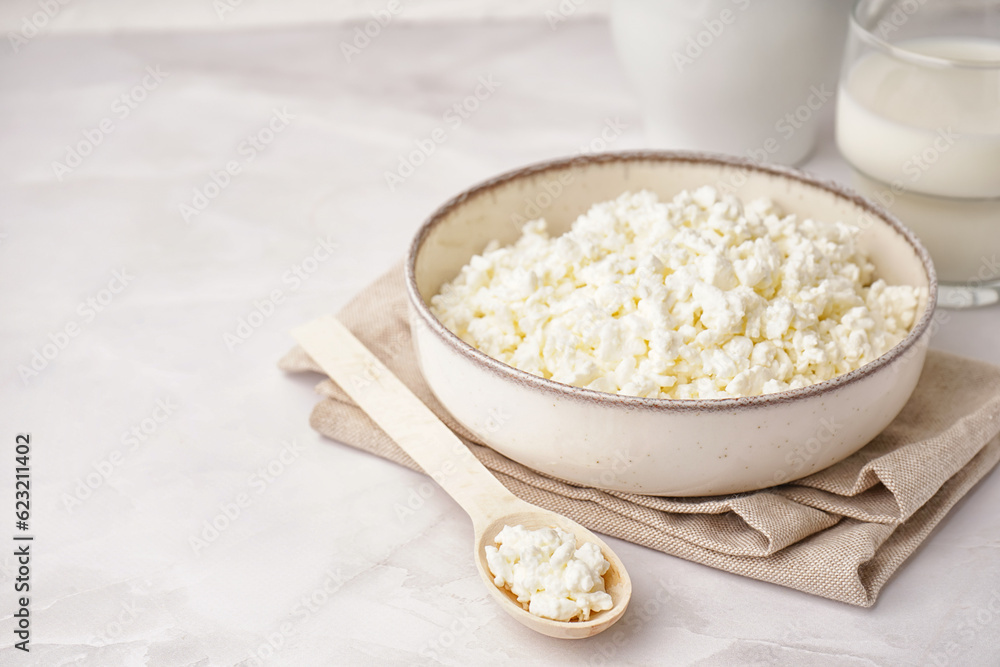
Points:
(447, 459)
(616, 580)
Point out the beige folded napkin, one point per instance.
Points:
(839, 533)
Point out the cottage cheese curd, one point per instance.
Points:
(699, 297)
(549, 575)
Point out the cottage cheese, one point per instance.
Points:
(549, 575)
(700, 297)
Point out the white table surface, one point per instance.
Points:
(315, 566)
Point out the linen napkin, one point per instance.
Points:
(839, 533)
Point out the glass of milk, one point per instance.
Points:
(918, 119)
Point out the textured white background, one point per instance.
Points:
(113, 15)
(116, 580)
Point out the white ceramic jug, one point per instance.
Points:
(745, 77)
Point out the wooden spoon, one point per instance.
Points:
(451, 464)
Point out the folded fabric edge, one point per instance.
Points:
(914, 531)
(832, 503)
(297, 360)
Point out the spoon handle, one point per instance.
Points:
(405, 418)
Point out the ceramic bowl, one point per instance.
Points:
(658, 446)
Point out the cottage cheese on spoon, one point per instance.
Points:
(549, 576)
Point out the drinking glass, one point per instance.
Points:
(918, 120)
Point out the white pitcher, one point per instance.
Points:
(744, 77)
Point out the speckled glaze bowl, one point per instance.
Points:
(657, 446)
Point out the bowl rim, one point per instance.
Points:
(521, 377)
